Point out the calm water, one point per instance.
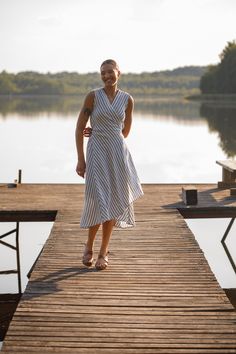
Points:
(172, 141)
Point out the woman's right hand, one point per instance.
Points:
(80, 168)
(87, 132)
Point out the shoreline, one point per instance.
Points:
(213, 97)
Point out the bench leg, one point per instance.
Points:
(227, 176)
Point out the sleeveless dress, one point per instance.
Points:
(111, 181)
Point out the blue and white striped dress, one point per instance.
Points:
(111, 182)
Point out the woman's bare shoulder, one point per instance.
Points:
(90, 95)
(89, 99)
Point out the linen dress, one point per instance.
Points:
(111, 181)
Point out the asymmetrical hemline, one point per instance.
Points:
(111, 180)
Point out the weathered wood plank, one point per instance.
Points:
(157, 296)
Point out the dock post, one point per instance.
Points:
(16, 248)
(18, 258)
(225, 246)
(19, 176)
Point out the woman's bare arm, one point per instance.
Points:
(128, 117)
(79, 135)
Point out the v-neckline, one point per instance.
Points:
(111, 102)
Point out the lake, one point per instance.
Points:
(172, 141)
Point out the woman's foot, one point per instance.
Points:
(87, 258)
(102, 262)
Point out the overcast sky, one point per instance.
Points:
(142, 35)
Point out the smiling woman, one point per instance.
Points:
(112, 184)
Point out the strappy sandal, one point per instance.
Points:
(102, 262)
(87, 258)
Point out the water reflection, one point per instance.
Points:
(32, 106)
(169, 107)
(221, 118)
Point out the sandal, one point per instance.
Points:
(87, 258)
(102, 262)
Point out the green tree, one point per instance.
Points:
(221, 78)
(7, 85)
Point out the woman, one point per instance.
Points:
(111, 183)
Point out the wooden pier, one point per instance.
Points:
(158, 294)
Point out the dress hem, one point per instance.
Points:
(116, 218)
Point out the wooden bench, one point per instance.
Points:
(228, 173)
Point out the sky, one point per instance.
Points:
(142, 35)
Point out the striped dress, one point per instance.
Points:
(111, 182)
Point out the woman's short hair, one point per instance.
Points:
(112, 62)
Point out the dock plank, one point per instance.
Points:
(158, 294)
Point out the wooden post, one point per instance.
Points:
(19, 176)
(189, 195)
(233, 192)
(227, 176)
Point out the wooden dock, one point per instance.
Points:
(158, 294)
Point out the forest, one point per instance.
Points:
(179, 81)
(187, 80)
(221, 78)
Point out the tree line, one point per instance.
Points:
(221, 78)
(180, 81)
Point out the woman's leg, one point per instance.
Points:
(102, 260)
(91, 236)
(88, 251)
(107, 228)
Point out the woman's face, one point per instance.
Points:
(109, 75)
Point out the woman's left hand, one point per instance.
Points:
(80, 168)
